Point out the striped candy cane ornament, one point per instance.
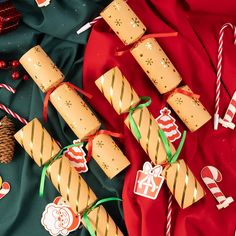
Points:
(210, 175)
(88, 25)
(7, 87)
(169, 215)
(219, 71)
(4, 189)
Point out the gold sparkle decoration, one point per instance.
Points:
(68, 103)
(148, 45)
(118, 22)
(100, 144)
(149, 61)
(165, 62)
(135, 22)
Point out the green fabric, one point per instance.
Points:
(53, 27)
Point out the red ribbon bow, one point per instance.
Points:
(47, 96)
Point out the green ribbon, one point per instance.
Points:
(172, 158)
(45, 167)
(87, 211)
(133, 125)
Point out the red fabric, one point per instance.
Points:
(194, 53)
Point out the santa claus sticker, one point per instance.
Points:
(59, 219)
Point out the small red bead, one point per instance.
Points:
(25, 77)
(15, 75)
(2, 64)
(15, 63)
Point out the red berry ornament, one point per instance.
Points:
(25, 77)
(15, 75)
(2, 64)
(15, 63)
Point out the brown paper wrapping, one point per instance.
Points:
(156, 65)
(190, 110)
(37, 142)
(74, 111)
(102, 223)
(182, 183)
(41, 68)
(123, 21)
(108, 155)
(117, 90)
(70, 184)
(150, 140)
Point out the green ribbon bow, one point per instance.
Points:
(45, 167)
(98, 203)
(172, 159)
(133, 125)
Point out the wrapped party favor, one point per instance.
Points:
(117, 90)
(102, 223)
(108, 155)
(123, 21)
(182, 183)
(41, 68)
(189, 109)
(150, 140)
(37, 142)
(156, 65)
(74, 111)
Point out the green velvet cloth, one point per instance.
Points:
(54, 28)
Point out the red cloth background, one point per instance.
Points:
(194, 53)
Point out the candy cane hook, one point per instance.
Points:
(219, 70)
(210, 175)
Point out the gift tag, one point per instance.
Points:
(4, 189)
(148, 181)
(59, 219)
(42, 3)
(210, 175)
(167, 124)
(76, 156)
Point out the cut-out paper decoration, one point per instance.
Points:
(4, 189)
(42, 3)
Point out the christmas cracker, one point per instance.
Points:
(153, 60)
(65, 178)
(151, 143)
(71, 107)
(123, 21)
(37, 142)
(117, 90)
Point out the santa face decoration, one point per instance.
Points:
(59, 219)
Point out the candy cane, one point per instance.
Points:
(210, 175)
(7, 87)
(230, 113)
(219, 70)
(4, 190)
(169, 215)
(88, 25)
(13, 114)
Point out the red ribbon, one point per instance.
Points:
(178, 90)
(47, 96)
(157, 35)
(91, 137)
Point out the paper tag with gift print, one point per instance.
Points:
(148, 181)
(168, 125)
(76, 155)
(59, 219)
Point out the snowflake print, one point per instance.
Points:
(37, 65)
(37, 49)
(84, 105)
(165, 62)
(196, 101)
(155, 81)
(179, 101)
(118, 22)
(117, 6)
(148, 45)
(135, 22)
(115, 146)
(68, 104)
(42, 87)
(149, 61)
(100, 144)
(105, 166)
(54, 67)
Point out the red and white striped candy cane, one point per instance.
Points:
(13, 114)
(7, 87)
(169, 215)
(219, 71)
(88, 25)
(210, 175)
(230, 113)
(5, 189)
